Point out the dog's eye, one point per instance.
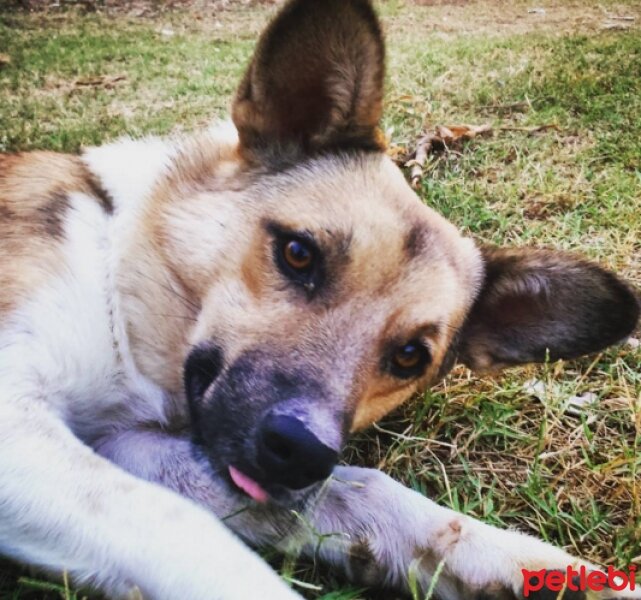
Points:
(299, 260)
(298, 256)
(410, 359)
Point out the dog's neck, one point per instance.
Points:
(152, 307)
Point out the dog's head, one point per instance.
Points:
(327, 292)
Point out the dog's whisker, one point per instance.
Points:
(168, 316)
(187, 302)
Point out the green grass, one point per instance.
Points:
(481, 445)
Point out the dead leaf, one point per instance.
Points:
(623, 18)
(578, 405)
(536, 388)
(574, 406)
(456, 133)
(616, 26)
(406, 98)
(5, 59)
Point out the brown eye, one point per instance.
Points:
(407, 356)
(298, 256)
(409, 360)
(299, 259)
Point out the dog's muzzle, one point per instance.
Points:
(274, 430)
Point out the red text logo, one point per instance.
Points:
(578, 581)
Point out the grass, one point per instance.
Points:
(485, 446)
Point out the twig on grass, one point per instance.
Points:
(441, 138)
(530, 130)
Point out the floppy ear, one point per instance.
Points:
(536, 301)
(316, 79)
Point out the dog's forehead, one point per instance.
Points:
(393, 265)
(364, 206)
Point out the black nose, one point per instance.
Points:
(291, 455)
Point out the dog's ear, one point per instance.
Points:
(316, 79)
(535, 303)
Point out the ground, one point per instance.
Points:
(560, 84)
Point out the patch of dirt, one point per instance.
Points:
(140, 8)
(500, 17)
(442, 2)
(444, 16)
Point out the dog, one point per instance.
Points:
(190, 329)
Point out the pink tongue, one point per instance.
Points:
(249, 486)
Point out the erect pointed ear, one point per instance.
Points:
(535, 301)
(316, 79)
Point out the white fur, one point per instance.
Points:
(128, 169)
(406, 532)
(66, 328)
(65, 369)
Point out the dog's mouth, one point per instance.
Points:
(246, 484)
(254, 488)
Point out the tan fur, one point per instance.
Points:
(153, 282)
(239, 295)
(34, 197)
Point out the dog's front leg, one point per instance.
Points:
(64, 508)
(383, 533)
(173, 461)
(363, 522)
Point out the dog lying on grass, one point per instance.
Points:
(190, 329)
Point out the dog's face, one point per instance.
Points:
(340, 297)
(327, 293)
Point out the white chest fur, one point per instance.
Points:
(68, 338)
